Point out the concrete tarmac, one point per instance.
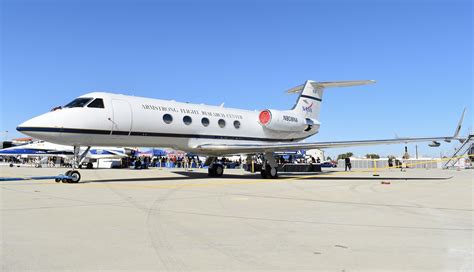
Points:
(162, 220)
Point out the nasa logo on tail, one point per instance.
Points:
(308, 108)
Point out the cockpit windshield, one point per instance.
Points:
(78, 102)
(97, 103)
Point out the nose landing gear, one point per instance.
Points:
(73, 176)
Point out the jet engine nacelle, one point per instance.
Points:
(434, 144)
(285, 121)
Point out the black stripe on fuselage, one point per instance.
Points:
(124, 133)
(311, 97)
(151, 134)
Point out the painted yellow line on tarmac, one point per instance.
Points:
(175, 186)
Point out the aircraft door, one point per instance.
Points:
(122, 117)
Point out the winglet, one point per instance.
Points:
(458, 128)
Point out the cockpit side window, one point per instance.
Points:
(97, 103)
(78, 102)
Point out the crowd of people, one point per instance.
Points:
(184, 161)
(166, 161)
(298, 160)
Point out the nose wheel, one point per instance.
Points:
(75, 176)
(71, 176)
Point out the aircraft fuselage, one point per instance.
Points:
(144, 122)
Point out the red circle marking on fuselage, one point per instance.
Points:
(265, 117)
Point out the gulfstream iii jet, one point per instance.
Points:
(106, 119)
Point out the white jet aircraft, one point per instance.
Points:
(106, 119)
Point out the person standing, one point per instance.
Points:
(186, 161)
(347, 161)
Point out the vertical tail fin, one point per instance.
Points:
(309, 101)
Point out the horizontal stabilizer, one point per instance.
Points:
(320, 85)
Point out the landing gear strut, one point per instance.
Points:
(270, 168)
(73, 176)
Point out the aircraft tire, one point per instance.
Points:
(67, 174)
(273, 173)
(75, 176)
(269, 173)
(215, 170)
(219, 170)
(211, 171)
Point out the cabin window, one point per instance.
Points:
(97, 103)
(167, 118)
(205, 121)
(187, 120)
(237, 124)
(78, 102)
(221, 123)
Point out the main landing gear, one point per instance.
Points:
(269, 170)
(270, 167)
(73, 176)
(215, 169)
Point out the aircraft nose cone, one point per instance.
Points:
(24, 125)
(47, 124)
(31, 124)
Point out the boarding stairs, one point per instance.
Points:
(464, 149)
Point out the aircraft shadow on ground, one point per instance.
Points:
(185, 175)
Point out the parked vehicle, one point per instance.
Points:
(329, 164)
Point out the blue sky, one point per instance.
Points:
(246, 54)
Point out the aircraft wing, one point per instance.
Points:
(244, 148)
(262, 148)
